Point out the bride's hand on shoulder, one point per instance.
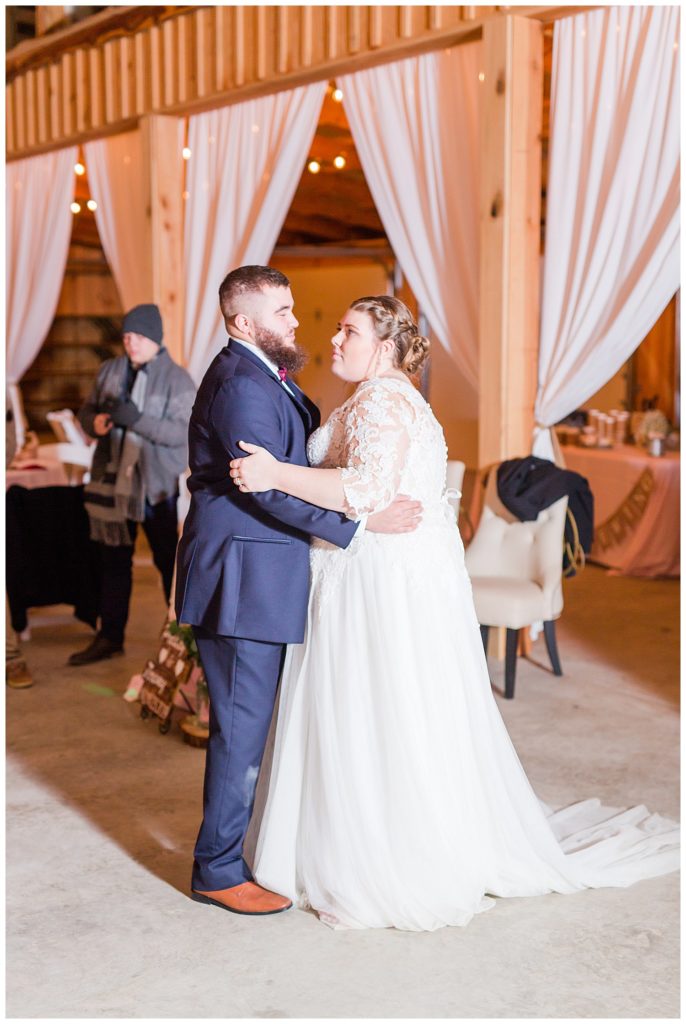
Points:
(255, 472)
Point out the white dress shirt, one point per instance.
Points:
(265, 359)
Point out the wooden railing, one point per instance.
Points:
(102, 74)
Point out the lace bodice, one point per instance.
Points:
(387, 441)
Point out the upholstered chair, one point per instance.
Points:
(516, 573)
(453, 483)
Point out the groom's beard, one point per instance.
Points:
(273, 346)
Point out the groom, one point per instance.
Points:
(243, 564)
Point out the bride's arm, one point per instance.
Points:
(378, 429)
(262, 472)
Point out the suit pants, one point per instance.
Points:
(242, 678)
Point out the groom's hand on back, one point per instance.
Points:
(403, 516)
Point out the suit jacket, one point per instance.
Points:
(243, 559)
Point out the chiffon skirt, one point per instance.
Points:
(396, 797)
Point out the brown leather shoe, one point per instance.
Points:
(247, 898)
(17, 675)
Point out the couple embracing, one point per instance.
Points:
(328, 557)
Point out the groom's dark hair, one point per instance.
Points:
(247, 279)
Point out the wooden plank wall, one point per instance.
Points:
(207, 56)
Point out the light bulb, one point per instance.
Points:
(482, 76)
(186, 153)
(337, 95)
(339, 162)
(79, 169)
(75, 207)
(92, 205)
(314, 167)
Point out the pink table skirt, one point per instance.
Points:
(636, 508)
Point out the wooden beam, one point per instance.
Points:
(47, 17)
(510, 161)
(162, 142)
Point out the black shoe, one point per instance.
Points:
(99, 649)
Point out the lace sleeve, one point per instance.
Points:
(378, 429)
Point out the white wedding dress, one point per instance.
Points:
(396, 797)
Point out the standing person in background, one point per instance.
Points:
(138, 410)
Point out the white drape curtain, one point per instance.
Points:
(612, 234)
(116, 176)
(38, 221)
(415, 125)
(245, 166)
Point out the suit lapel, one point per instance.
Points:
(308, 411)
(310, 408)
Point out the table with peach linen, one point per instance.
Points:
(636, 507)
(37, 473)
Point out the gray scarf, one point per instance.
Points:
(119, 495)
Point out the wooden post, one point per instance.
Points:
(162, 139)
(47, 17)
(510, 204)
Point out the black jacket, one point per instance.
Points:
(526, 486)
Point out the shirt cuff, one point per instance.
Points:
(362, 525)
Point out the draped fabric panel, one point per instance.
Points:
(612, 236)
(38, 220)
(415, 126)
(245, 166)
(116, 176)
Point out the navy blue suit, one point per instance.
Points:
(242, 583)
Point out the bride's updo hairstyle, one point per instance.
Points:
(392, 319)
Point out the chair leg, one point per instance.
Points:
(511, 640)
(551, 644)
(484, 637)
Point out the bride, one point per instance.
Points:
(396, 797)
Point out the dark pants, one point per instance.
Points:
(161, 528)
(242, 678)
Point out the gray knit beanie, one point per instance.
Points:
(145, 320)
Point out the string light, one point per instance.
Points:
(314, 167)
(186, 153)
(337, 95)
(255, 129)
(339, 162)
(92, 205)
(75, 207)
(482, 77)
(79, 169)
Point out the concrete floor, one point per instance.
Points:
(103, 811)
